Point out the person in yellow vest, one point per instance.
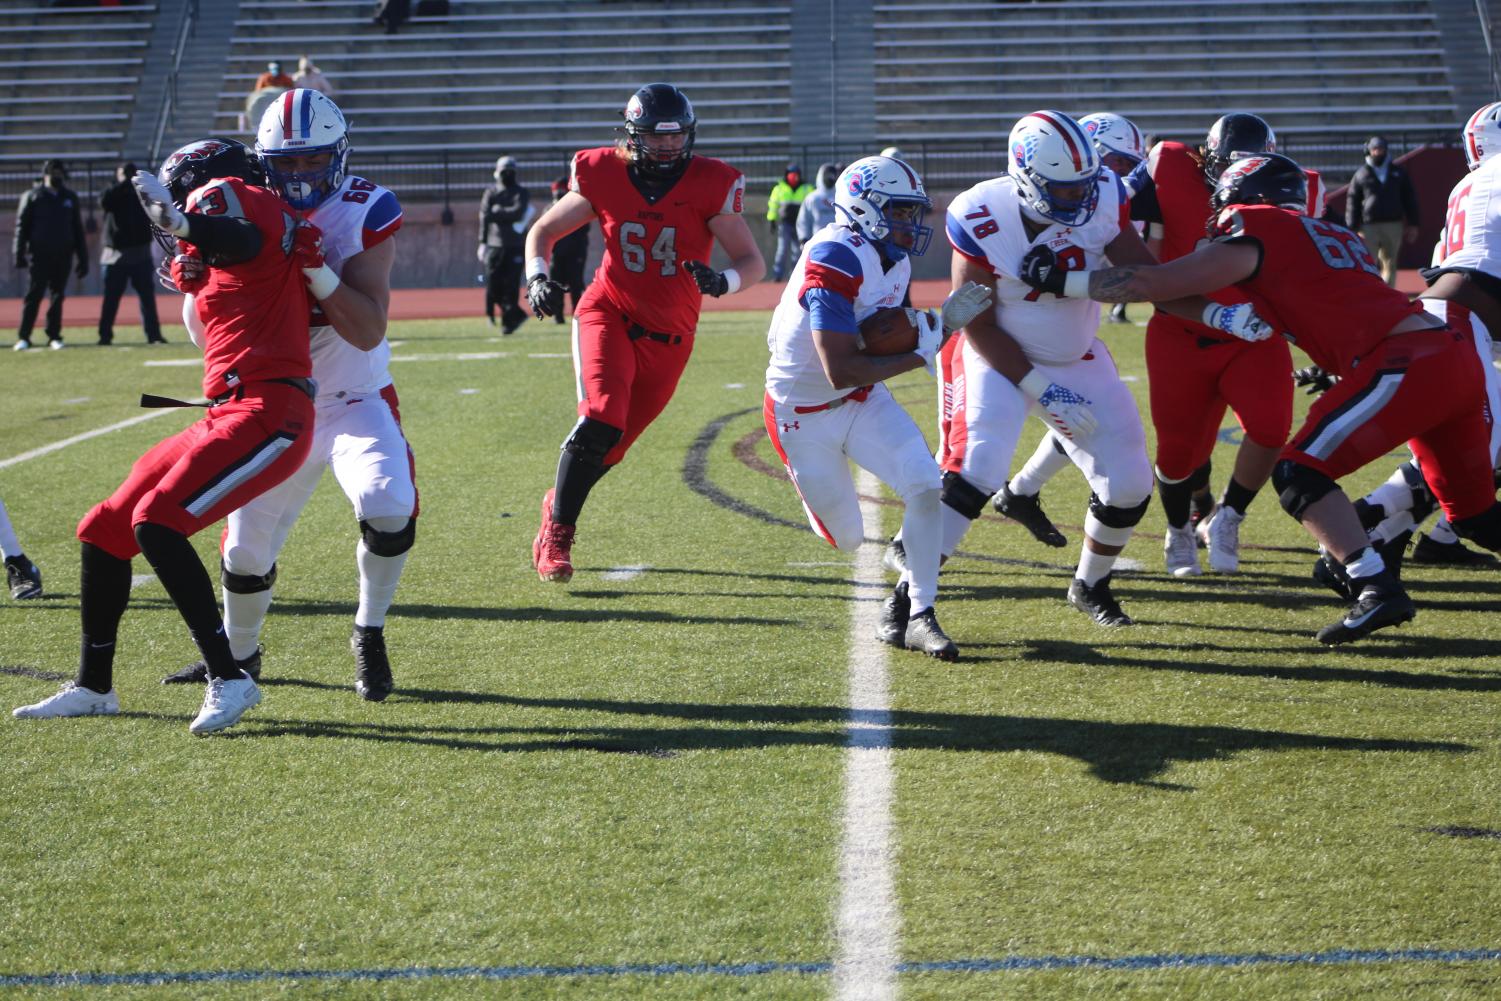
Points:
(781, 214)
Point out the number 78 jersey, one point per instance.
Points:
(648, 240)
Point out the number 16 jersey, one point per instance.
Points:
(648, 239)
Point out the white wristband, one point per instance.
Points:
(536, 266)
(732, 278)
(321, 281)
(1076, 284)
(1034, 384)
(179, 224)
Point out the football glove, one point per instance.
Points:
(186, 273)
(307, 251)
(544, 295)
(1042, 270)
(157, 201)
(964, 304)
(1066, 411)
(1238, 320)
(930, 336)
(1314, 380)
(709, 281)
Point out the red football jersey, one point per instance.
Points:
(255, 314)
(646, 242)
(1318, 283)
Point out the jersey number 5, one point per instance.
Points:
(633, 248)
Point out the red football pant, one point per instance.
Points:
(210, 468)
(1191, 380)
(1426, 389)
(624, 383)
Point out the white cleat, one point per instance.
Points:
(1224, 540)
(71, 700)
(1180, 552)
(224, 703)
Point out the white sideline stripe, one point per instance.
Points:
(137, 579)
(555, 355)
(625, 573)
(461, 356)
(868, 924)
(1126, 563)
(57, 446)
(172, 362)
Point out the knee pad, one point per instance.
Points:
(389, 543)
(1113, 516)
(1483, 529)
(592, 440)
(1298, 486)
(246, 583)
(963, 496)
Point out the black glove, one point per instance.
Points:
(544, 295)
(709, 281)
(1314, 380)
(1041, 270)
(83, 267)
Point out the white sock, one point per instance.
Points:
(1394, 495)
(1390, 528)
(954, 527)
(8, 544)
(921, 533)
(379, 576)
(1369, 564)
(1093, 566)
(244, 615)
(1045, 463)
(1443, 533)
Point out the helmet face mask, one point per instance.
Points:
(1055, 167)
(1259, 179)
(659, 130)
(883, 200)
(296, 129)
(1232, 137)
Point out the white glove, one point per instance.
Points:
(930, 337)
(1065, 410)
(964, 304)
(1239, 320)
(479, 254)
(157, 201)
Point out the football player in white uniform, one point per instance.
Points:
(304, 144)
(826, 402)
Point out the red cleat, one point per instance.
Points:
(551, 550)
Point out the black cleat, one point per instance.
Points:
(196, 673)
(1382, 603)
(894, 611)
(24, 578)
(1098, 603)
(1449, 554)
(895, 557)
(1331, 573)
(925, 635)
(1026, 511)
(372, 669)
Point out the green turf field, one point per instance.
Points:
(631, 786)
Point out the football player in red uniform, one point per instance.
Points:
(660, 208)
(253, 300)
(1404, 375)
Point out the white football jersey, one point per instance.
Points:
(841, 260)
(1472, 223)
(985, 225)
(354, 218)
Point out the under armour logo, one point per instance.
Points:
(789, 426)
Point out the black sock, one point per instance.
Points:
(182, 574)
(576, 477)
(104, 586)
(1238, 497)
(1175, 500)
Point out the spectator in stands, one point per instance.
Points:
(568, 255)
(273, 77)
(49, 236)
(392, 13)
(781, 213)
(504, 210)
(127, 257)
(1382, 207)
(311, 77)
(818, 208)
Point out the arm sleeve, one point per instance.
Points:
(1352, 203)
(23, 226)
(80, 243)
(1409, 200)
(1144, 204)
(828, 310)
(230, 240)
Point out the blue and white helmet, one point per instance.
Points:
(1056, 168)
(303, 122)
(1115, 136)
(883, 200)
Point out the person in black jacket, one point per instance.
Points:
(49, 235)
(568, 255)
(1382, 207)
(127, 257)
(504, 211)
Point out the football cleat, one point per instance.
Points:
(196, 673)
(1451, 554)
(224, 702)
(1098, 603)
(894, 612)
(1223, 532)
(895, 557)
(552, 549)
(925, 635)
(24, 578)
(1026, 511)
(1382, 602)
(372, 668)
(71, 700)
(1180, 552)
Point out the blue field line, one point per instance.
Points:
(1333, 957)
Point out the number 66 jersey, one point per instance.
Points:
(984, 224)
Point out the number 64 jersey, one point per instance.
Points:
(985, 225)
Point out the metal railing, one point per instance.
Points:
(168, 111)
(1484, 14)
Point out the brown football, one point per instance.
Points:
(888, 331)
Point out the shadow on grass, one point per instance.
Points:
(530, 613)
(1132, 753)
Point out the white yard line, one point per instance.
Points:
(58, 446)
(868, 923)
(625, 573)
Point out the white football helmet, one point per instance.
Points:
(883, 200)
(303, 122)
(1482, 135)
(1055, 167)
(1115, 136)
